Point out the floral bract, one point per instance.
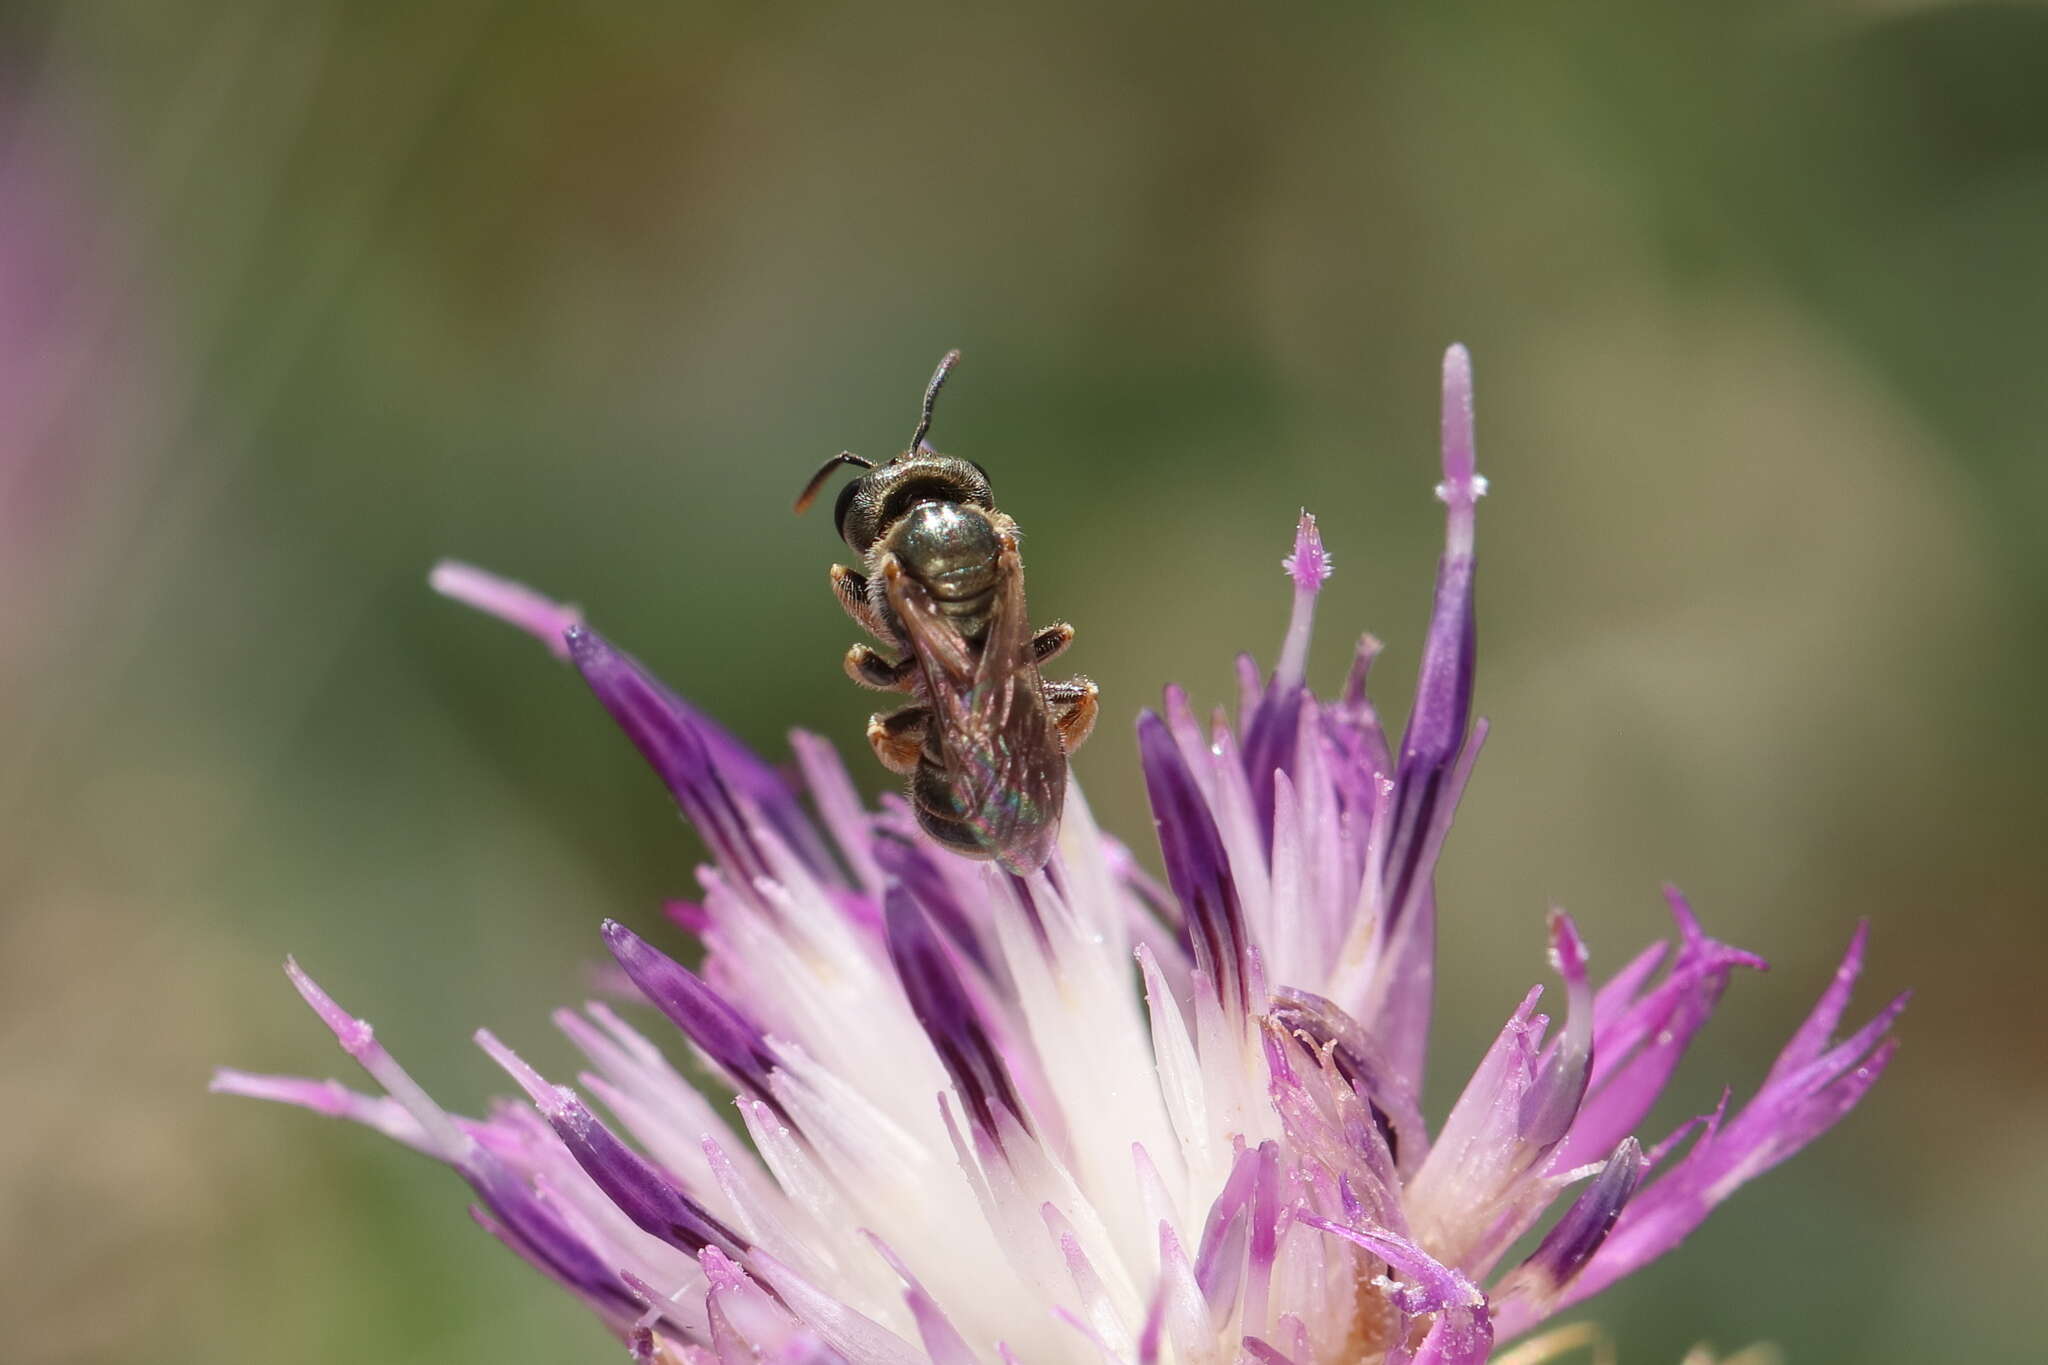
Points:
(1082, 1116)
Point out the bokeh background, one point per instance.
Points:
(297, 297)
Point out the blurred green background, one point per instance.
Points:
(296, 298)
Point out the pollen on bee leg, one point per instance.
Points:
(898, 737)
(1075, 704)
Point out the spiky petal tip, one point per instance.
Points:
(962, 1138)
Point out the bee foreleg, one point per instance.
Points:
(1074, 704)
(1051, 642)
(870, 668)
(852, 591)
(898, 737)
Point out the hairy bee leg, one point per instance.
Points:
(870, 669)
(852, 591)
(1074, 705)
(1051, 642)
(898, 737)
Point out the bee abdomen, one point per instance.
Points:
(939, 812)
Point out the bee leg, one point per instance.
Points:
(852, 591)
(870, 669)
(1051, 642)
(1074, 704)
(898, 737)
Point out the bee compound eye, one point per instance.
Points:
(843, 506)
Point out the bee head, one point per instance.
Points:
(883, 496)
(875, 501)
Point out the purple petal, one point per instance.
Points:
(331, 1098)
(555, 624)
(709, 772)
(511, 1209)
(545, 619)
(747, 1325)
(1428, 1286)
(1462, 1333)
(540, 1239)
(1320, 1025)
(443, 1137)
(1269, 746)
(1443, 691)
(733, 1042)
(1808, 1090)
(640, 1191)
(1196, 866)
(1619, 992)
(950, 1020)
(692, 917)
(1265, 1248)
(1483, 1149)
(1249, 688)
(1435, 755)
(1812, 1038)
(1266, 1354)
(1454, 1339)
(1363, 657)
(1358, 767)
(1408, 977)
(941, 1339)
(912, 867)
(849, 1334)
(1553, 1101)
(839, 806)
(1565, 1250)
(1219, 1258)
(1639, 1040)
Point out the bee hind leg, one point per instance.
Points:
(869, 668)
(1074, 705)
(898, 737)
(1051, 642)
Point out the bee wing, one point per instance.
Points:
(1003, 755)
(943, 654)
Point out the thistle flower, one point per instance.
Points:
(963, 1136)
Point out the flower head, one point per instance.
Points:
(962, 1136)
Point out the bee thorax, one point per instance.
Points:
(950, 548)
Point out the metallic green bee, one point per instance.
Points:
(985, 740)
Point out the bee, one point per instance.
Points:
(984, 740)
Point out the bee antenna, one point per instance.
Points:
(931, 396)
(803, 499)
